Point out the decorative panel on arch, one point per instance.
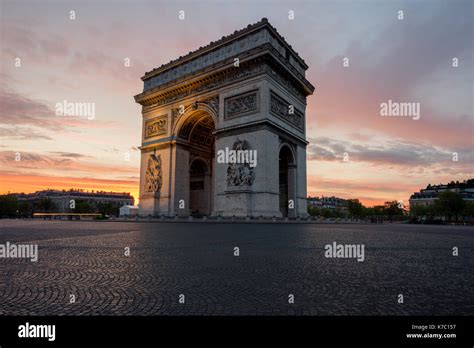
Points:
(156, 126)
(286, 111)
(241, 104)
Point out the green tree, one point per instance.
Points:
(24, 208)
(326, 213)
(378, 210)
(83, 207)
(8, 206)
(46, 205)
(433, 211)
(468, 210)
(450, 204)
(108, 209)
(419, 211)
(313, 211)
(355, 208)
(392, 209)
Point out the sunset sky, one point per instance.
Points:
(82, 60)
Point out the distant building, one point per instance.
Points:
(428, 195)
(62, 198)
(128, 211)
(332, 203)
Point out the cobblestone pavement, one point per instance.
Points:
(87, 259)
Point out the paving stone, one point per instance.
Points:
(87, 259)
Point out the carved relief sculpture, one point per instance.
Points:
(240, 174)
(241, 104)
(155, 126)
(281, 108)
(213, 103)
(153, 177)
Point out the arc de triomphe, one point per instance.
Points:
(245, 92)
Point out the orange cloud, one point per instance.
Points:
(16, 183)
(369, 193)
(62, 161)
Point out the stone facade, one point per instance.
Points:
(245, 92)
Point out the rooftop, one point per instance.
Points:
(223, 40)
(52, 192)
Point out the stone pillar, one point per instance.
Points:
(292, 172)
(181, 186)
(301, 196)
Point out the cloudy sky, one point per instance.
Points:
(354, 152)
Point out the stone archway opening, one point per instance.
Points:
(199, 188)
(286, 182)
(197, 133)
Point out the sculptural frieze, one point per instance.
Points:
(153, 176)
(240, 174)
(241, 104)
(155, 126)
(281, 108)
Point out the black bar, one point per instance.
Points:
(241, 330)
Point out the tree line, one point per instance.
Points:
(390, 210)
(11, 207)
(449, 207)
